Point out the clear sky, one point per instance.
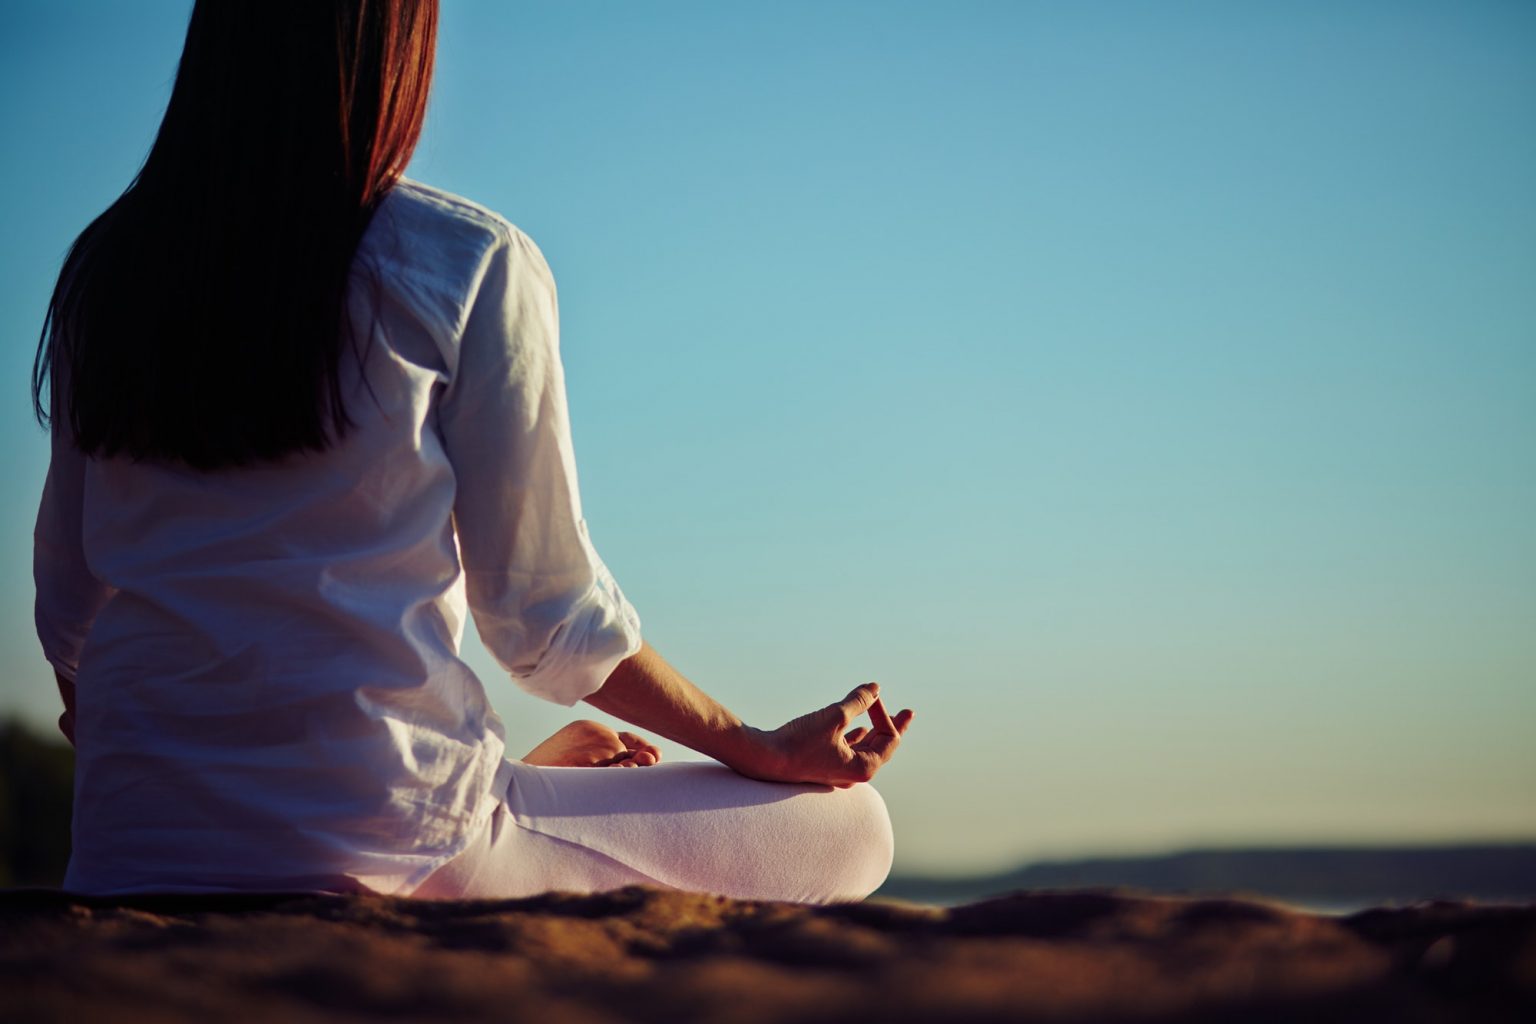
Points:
(1145, 393)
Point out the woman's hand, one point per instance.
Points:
(588, 744)
(820, 747)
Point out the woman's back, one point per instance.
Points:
(270, 695)
(306, 417)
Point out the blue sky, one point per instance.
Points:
(1146, 394)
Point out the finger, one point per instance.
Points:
(881, 717)
(858, 701)
(854, 735)
(903, 719)
(644, 758)
(878, 744)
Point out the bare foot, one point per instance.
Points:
(589, 744)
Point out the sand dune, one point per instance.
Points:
(645, 955)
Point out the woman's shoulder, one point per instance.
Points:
(426, 208)
(436, 246)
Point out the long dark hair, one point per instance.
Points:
(201, 319)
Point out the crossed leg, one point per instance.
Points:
(693, 825)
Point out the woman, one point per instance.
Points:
(304, 413)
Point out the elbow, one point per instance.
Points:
(564, 651)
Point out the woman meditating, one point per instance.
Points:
(306, 414)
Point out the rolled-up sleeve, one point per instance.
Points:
(68, 595)
(544, 603)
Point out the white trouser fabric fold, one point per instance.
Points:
(694, 825)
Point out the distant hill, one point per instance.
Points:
(1317, 876)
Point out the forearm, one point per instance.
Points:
(648, 692)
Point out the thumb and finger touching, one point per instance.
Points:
(857, 702)
(867, 698)
(870, 747)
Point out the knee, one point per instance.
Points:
(871, 842)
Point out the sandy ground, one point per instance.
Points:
(641, 955)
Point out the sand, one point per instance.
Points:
(641, 955)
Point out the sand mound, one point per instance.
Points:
(645, 955)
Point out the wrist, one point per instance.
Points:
(752, 752)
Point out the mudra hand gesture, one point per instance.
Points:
(816, 747)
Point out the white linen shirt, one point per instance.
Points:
(266, 659)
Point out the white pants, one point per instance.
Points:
(693, 825)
